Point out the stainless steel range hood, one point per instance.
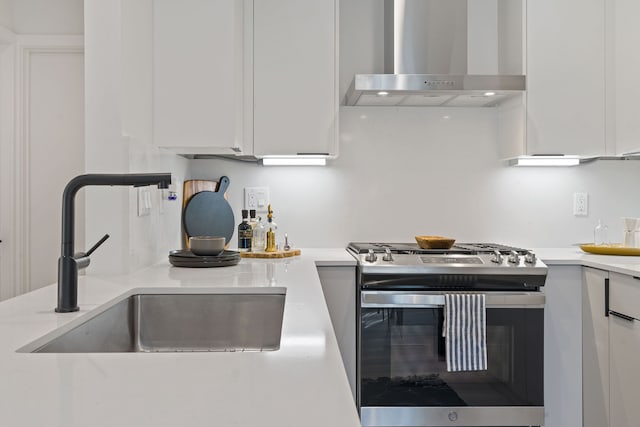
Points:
(447, 53)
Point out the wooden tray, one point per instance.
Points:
(276, 254)
(612, 249)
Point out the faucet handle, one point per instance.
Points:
(97, 245)
(82, 258)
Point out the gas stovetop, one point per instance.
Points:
(413, 248)
(477, 259)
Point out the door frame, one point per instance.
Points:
(14, 219)
(8, 233)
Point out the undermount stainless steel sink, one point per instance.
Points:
(174, 320)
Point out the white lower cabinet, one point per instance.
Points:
(624, 372)
(624, 347)
(610, 349)
(595, 348)
(562, 347)
(606, 377)
(339, 287)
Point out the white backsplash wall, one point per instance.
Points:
(408, 171)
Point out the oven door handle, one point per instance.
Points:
(399, 299)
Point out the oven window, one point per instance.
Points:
(403, 360)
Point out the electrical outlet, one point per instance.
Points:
(580, 204)
(256, 198)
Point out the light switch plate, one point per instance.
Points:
(144, 201)
(256, 198)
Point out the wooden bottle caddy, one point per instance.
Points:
(276, 254)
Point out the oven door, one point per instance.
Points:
(402, 373)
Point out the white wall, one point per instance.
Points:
(400, 172)
(42, 16)
(118, 138)
(151, 237)
(54, 155)
(6, 13)
(403, 172)
(408, 171)
(47, 16)
(42, 134)
(8, 285)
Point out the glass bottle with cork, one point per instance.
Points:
(259, 241)
(252, 219)
(245, 233)
(271, 228)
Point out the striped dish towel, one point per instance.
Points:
(465, 332)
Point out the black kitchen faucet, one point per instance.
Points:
(69, 263)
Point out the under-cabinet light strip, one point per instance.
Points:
(546, 161)
(294, 161)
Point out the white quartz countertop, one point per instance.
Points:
(575, 256)
(301, 384)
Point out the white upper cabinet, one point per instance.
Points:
(198, 77)
(295, 77)
(565, 100)
(624, 68)
(245, 77)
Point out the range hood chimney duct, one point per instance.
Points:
(425, 37)
(426, 55)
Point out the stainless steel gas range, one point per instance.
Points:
(402, 377)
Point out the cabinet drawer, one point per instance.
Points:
(624, 294)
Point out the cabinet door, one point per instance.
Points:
(625, 375)
(595, 348)
(625, 38)
(563, 347)
(339, 287)
(624, 347)
(198, 75)
(295, 94)
(565, 77)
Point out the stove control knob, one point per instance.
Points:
(387, 255)
(530, 258)
(371, 256)
(514, 257)
(497, 257)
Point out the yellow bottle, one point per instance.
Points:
(271, 231)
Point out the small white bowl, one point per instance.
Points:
(206, 245)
